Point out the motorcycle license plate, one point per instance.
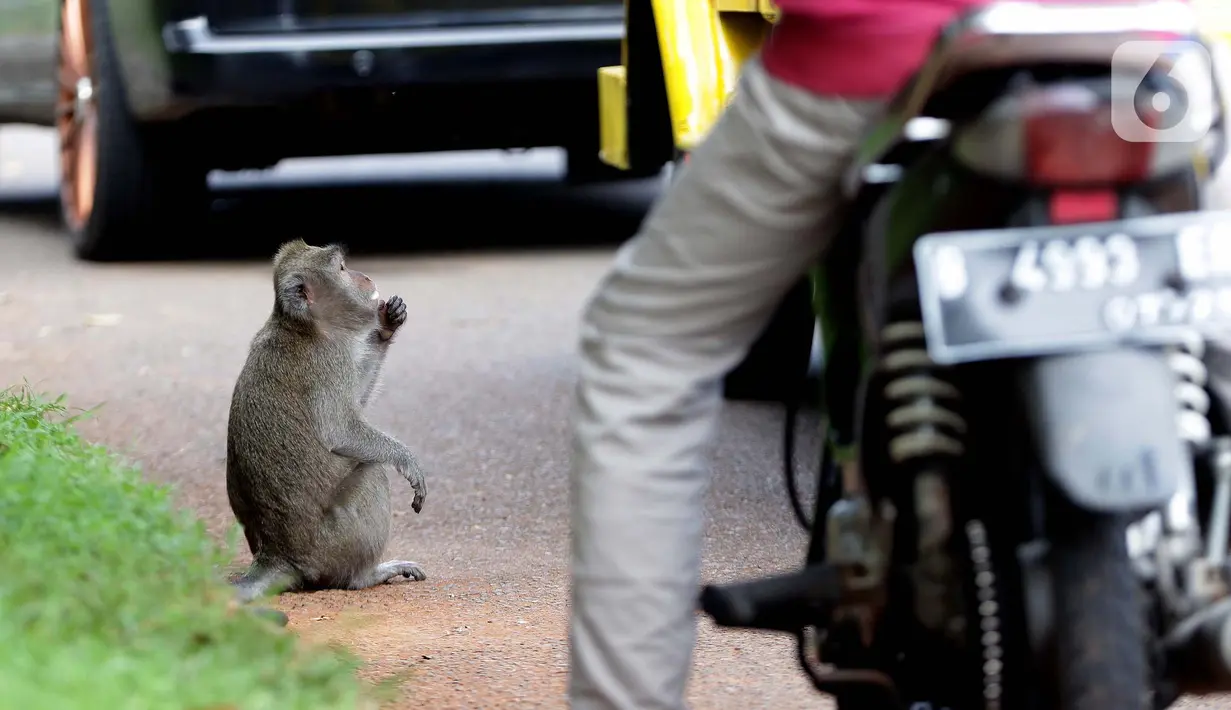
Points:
(1034, 291)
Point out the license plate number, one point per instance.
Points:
(1043, 290)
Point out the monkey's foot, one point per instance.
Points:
(261, 580)
(277, 617)
(386, 571)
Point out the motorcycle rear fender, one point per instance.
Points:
(1105, 429)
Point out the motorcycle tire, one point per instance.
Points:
(1101, 650)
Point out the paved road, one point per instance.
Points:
(479, 384)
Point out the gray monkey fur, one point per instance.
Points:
(306, 472)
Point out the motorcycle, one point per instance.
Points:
(1016, 320)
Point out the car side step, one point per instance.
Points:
(195, 36)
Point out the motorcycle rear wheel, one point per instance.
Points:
(1101, 650)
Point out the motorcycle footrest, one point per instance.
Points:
(787, 602)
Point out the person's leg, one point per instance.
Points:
(682, 303)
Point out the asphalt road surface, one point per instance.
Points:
(478, 384)
(494, 259)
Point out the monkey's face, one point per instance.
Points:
(365, 285)
(315, 283)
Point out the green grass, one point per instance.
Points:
(111, 598)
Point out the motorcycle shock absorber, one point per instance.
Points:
(921, 420)
(1184, 575)
(926, 429)
(1193, 424)
(1193, 427)
(1194, 403)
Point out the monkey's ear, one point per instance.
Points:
(297, 294)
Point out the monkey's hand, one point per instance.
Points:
(356, 439)
(392, 316)
(413, 473)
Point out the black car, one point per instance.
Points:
(150, 95)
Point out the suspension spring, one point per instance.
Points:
(925, 428)
(921, 421)
(1194, 403)
(1193, 426)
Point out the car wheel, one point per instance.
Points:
(776, 366)
(122, 185)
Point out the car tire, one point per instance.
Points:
(124, 186)
(775, 368)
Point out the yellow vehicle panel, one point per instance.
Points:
(613, 116)
(703, 44)
(703, 47)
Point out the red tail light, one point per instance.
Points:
(1060, 135)
(1076, 145)
(1075, 206)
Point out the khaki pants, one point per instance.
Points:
(681, 305)
(686, 297)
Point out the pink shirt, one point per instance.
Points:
(856, 48)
